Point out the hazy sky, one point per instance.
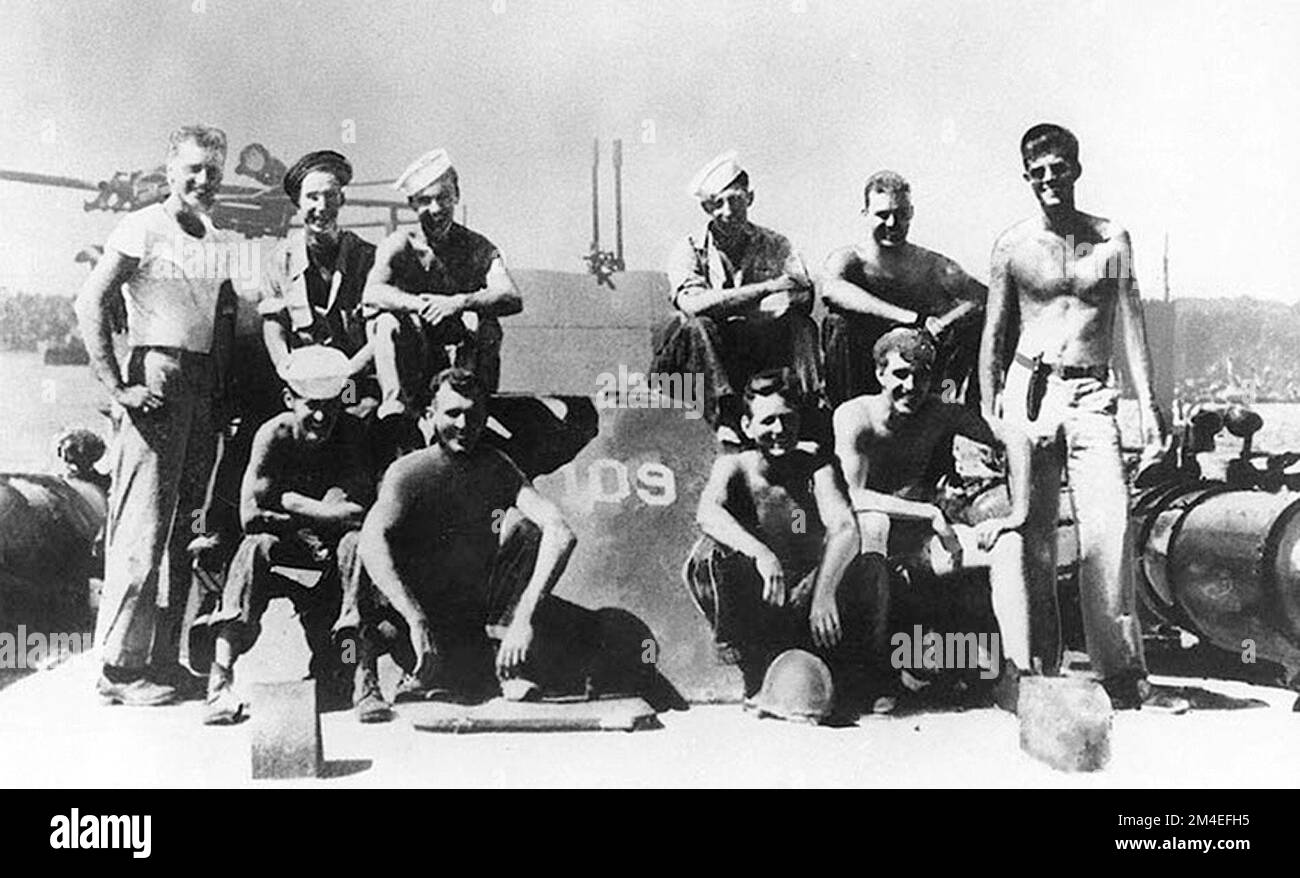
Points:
(1186, 113)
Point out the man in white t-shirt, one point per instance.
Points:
(167, 261)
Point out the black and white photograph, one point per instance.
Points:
(630, 394)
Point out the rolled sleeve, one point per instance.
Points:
(683, 270)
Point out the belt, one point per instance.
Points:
(1098, 371)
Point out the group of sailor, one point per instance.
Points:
(366, 461)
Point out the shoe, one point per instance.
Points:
(519, 689)
(223, 708)
(188, 686)
(369, 699)
(884, 705)
(139, 692)
(1137, 694)
(1162, 700)
(409, 689)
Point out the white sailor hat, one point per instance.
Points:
(316, 372)
(716, 176)
(423, 171)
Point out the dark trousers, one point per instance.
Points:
(750, 632)
(729, 352)
(251, 584)
(463, 624)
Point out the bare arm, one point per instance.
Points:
(1001, 300)
(848, 296)
(553, 554)
(716, 520)
(380, 292)
(842, 543)
(552, 557)
(971, 295)
(259, 503)
(376, 546)
(334, 511)
(856, 469)
(1134, 329)
(276, 340)
(499, 296)
(94, 309)
(841, 530)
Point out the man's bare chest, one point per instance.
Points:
(1050, 269)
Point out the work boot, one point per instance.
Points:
(188, 686)
(137, 692)
(223, 707)
(409, 688)
(520, 689)
(368, 698)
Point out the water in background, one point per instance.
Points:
(37, 402)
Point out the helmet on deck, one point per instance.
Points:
(797, 687)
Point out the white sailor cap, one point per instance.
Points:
(423, 171)
(316, 372)
(716, 176)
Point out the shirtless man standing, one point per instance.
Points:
(886, 281)
(1069, 275)
(892, 447)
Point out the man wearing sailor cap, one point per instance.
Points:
(437, 293)
(743, 299)
(310, 295)
(313, 293)
(302, 501)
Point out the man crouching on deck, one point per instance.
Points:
(305, 490)
(448, 557)
(893, 447)
(775, 567)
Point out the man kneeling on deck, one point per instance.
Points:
(459, 540)
(304, 493)
(893, 447)
(776, 567)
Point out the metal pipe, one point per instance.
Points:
(595, 195)
(618, 201)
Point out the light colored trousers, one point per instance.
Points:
(1076, 430)
(161, 465)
